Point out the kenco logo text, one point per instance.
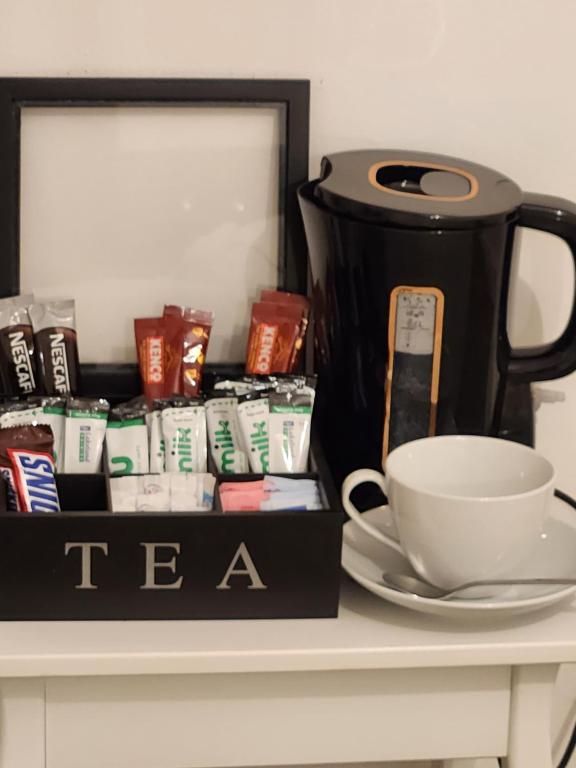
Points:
(154, 359)
(268, 334)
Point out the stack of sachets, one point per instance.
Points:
(38, 347)
(261, 424)
(78, 425)
(168, 436)
(168, 492)
(271, 493)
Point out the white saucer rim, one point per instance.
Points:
(455, 605)
(465, 606)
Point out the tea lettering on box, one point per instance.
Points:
(241, 564)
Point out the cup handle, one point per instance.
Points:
(357, 478)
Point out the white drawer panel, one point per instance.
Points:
(204, 721)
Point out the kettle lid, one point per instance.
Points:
(415, 189)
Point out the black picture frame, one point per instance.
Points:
(291, 97)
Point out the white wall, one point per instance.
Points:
(491, 81)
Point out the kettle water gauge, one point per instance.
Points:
(413, 372)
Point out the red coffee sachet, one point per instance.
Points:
(294, 299)
(158, 341)
(274, 330)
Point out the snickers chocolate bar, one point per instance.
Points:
(34, 479)
(37, 439)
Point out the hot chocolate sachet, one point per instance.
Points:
(196, 325)
(54, 324)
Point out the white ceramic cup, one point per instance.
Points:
(465, 507)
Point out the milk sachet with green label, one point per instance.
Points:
(253, 419)
(127, 439)
(85, 429)
(289, 426)
(224, 432)
(184, 431)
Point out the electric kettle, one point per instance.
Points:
(410, 257)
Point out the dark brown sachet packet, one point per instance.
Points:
(54, 324)
(18, 375)
(195, 335)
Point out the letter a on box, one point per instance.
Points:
(249, 569)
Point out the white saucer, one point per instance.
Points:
(366, 559)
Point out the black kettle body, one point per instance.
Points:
(410, 257)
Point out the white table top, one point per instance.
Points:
(368, 634)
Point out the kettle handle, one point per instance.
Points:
(549, 361)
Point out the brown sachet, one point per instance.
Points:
(158, 343)
(18, 373)
(196, 325)
(274, 330)
(54, 324)
(294, 299)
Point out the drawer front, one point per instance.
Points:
(22, 720)
(204, 721)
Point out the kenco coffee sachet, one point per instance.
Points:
(158, 342)
(277, 329)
